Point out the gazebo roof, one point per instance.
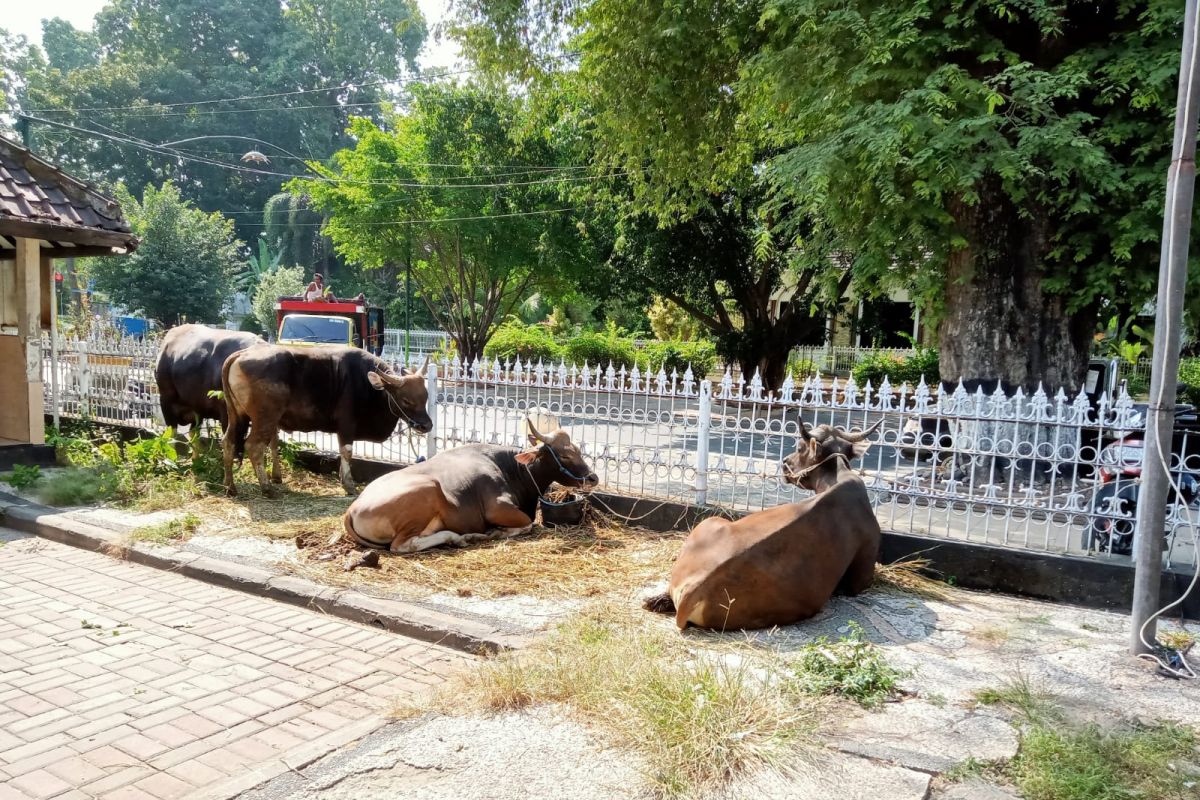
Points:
(69, 217)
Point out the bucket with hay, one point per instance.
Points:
(562, 508)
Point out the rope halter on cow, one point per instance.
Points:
(546, 446)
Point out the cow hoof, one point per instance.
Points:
(268, 491)
(277, 480)
(230, 491)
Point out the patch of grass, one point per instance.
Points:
(852, 667)
(1019, 694)
(698, 719)
(172, 530)
(1091, 764)
(78, 487)
(1087, 626)
(23, 476)
(1040, 619)
(993, 635)
(936, 699)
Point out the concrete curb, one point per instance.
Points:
(467, 635)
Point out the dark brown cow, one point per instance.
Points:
(478, 491)
(782, 565)
(341, 390)
(189, 369)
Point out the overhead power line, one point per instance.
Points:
(149, 146)
(344, 87)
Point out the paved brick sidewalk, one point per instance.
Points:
(122, 681)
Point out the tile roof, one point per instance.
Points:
(63, 208)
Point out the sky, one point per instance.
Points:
(26, 18)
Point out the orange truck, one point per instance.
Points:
(310, 324)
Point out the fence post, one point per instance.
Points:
(85, 380)
(431, 406)
(702, 429)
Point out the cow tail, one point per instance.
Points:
(233, 420)
(660, 603)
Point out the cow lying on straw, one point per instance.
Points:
(473, 492)
(781, 565)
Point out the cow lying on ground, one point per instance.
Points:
(781, 565)
(341, 390)
(474, 492)
(189, 368)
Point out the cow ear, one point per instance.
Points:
(375, 379)
(526, 456)
(860, 448)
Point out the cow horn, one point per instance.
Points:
(421, 372)
(804, 431)
(858, 437)
(534, 431)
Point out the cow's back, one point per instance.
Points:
(317, 389)
(466, 477)
(189, 368)
(773, 567)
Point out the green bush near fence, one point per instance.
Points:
(1189, 381)
(677, 356)
(514, 339)
(922, 363)
(534, 343)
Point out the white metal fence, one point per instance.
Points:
(973, 464)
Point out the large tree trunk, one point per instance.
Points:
(999, 321)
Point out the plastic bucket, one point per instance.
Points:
(566, 513)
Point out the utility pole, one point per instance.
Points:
(407, 298)
(1172, 275)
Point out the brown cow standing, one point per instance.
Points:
(341, 390)
(781, 565)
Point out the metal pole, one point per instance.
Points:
(1172, 274)
(407, 297)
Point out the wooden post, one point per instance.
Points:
(30, 402)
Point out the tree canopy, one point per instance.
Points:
(1004, 160)
(463, 189)
(152, 73)
(184, 266)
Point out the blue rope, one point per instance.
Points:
(565, 471)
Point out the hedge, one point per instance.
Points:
(534, 343)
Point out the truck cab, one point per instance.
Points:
(313, 323)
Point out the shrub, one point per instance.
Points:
(23, 476)
(852, 667)
(1189, 381)
(800, 368)
(922, 363)
(79, 487)
(599, 349)
(514, 339)
(701, 356)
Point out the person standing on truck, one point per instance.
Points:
(315, 292)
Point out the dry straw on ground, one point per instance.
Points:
(598, 557)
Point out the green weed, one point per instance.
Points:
(1091, 764)
(79, 487)
(172, 530)
(851, 667)
(23, 476)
